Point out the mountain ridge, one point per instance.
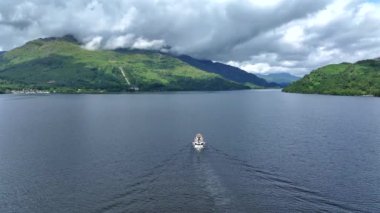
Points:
(60, 64)
(229, 72)
(282, 78)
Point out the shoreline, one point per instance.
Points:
(341, 95)
(46, 92)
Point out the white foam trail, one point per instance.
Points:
(212, 184)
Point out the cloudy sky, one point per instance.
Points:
(260, 36)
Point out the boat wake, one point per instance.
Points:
(300, 194)
(212, 184)
(191, 180)
(136, 194)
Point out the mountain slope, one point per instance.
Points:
(283, 79)
(360, 78)
(228, 72)
(62, 65)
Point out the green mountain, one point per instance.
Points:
(62, 65)
(229, 72)
(282, 79)
(360, 78)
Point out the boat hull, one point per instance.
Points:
(198, 146)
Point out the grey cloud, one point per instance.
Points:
(241, 31)
(340, 32)
(20, 25)
(199, 27)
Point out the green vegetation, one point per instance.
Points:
(62, 65)
(361, 78)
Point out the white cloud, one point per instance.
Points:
(126, 21)
(145, 44)
(336, 10)
(294, 36)
(120, 41)
(123, 41)
(256, 68)
(94, 43)
(266, 3)
(266, 68)
(288, 63)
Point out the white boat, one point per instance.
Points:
(199, 142)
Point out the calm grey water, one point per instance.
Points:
(267, 152)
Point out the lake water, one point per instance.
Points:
(267, 152)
